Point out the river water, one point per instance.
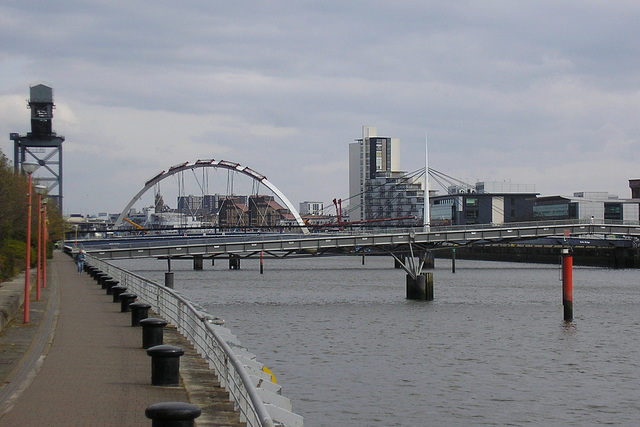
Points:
(491, 349)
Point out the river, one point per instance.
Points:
(491, 349)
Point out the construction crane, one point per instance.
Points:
(338, 205)
(137, 226)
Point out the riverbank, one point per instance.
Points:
(613, 256)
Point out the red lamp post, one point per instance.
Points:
(40, 189)
(45, 239)
(29, 168)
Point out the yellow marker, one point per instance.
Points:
(273, 377)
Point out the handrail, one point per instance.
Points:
(250, 405)
(239, 238)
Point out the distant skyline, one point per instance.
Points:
(543, 93)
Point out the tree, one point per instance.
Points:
(13, 221)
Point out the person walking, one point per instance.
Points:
(80, 261)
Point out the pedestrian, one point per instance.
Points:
(80, 261)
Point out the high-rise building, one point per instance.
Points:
(378, 189)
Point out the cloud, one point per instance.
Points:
(532, 92)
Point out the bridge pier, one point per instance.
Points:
(234, 262)
(197, 262)
(420, 288)
(427, 259)
(168, 279)
(397, 262)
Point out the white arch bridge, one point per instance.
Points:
(220, 164)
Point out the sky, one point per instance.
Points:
(532, 92)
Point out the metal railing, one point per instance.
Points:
(196, 326)
(94, 245)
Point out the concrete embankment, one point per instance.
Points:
(611, 257)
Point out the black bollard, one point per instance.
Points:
(98, 277)
(116, 291)
(152, 331)
(110, 284)
(165, 365)
(139, 311)
(126, 299)
(104, 280)
(172, 414)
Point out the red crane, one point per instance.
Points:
(338, 205)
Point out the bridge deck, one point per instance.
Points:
(319, 243)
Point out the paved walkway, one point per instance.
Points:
(79, 362)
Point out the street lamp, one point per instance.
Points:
(45, 239)
(40, 189)
(29, 168)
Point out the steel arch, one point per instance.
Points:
(214, 164)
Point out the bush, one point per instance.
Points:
(12, 258)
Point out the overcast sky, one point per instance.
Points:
(532, 92)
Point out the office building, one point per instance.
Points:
(594, 205)
(486, 203)
(378, 188)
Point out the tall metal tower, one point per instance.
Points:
(41, 145)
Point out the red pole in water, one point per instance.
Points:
(261, 262)
(567, 284)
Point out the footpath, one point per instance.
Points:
(79, 362)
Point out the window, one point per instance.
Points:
(471, 201)
(613, 211)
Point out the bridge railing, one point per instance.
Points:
(197, 328)
(232, 238)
